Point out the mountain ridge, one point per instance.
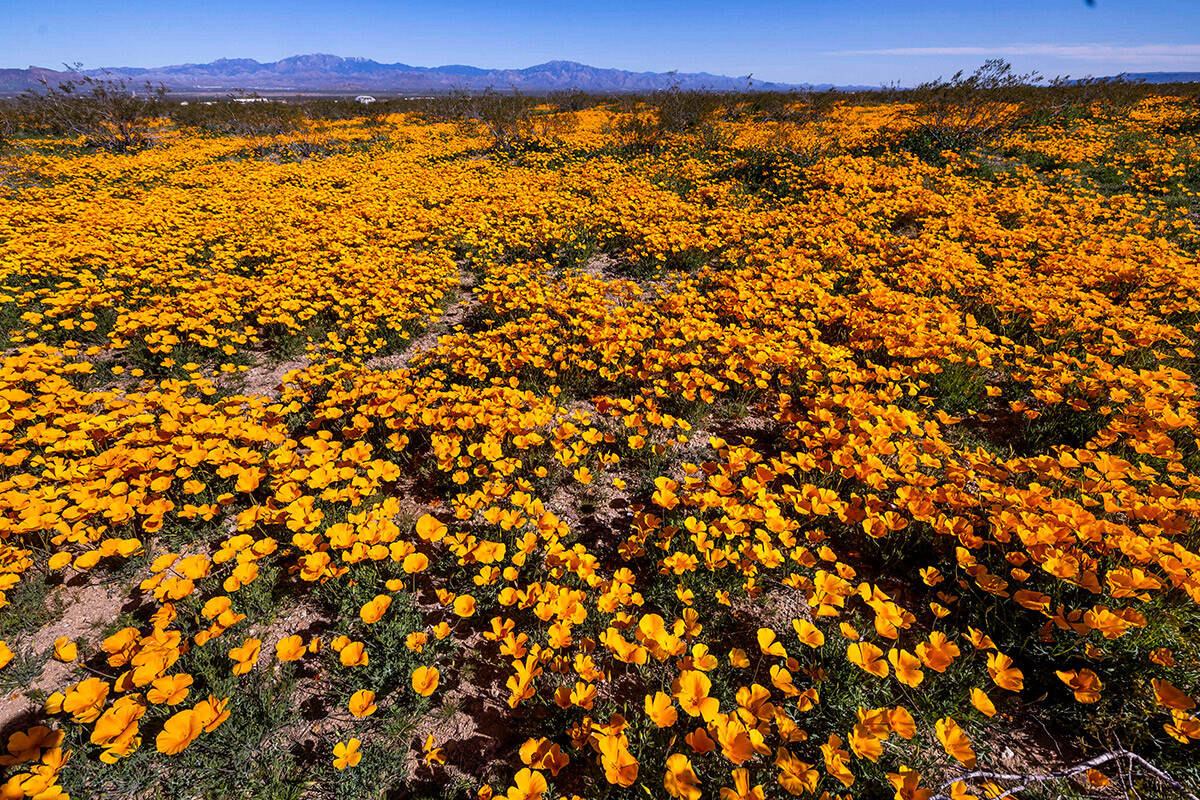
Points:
(1164, 77)
(327, 73)
(324, 72)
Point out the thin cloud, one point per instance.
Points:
(1130, 54)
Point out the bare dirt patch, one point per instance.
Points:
(84, 606)
(267, 379)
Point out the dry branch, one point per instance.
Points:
(1026, 779)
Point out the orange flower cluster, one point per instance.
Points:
(731, 492)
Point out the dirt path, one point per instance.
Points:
(463, 303)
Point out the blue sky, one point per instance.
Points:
(840, 41)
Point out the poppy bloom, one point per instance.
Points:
(179, 731)
(346, 754)
(362, 703)
(169, 690)
(290, 648)
(425, 680)
(373, 610)
(65, 649)
(353, 655)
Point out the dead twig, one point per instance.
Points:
(1025, 780)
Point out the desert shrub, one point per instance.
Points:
(228, 117)
(965, 111)
(9, 123)
(794, 107)
(648, 122)
(108, 114)
(504, 116)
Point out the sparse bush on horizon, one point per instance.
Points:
(106, 113)
(956, 113)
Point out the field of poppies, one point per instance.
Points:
(850, 452)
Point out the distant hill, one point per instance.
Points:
(327, 73)
(1164, 77)
(13, 81)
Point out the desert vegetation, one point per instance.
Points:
(681, 445)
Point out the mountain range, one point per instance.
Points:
(1164, 77)
(327, 73)
(323, 73)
